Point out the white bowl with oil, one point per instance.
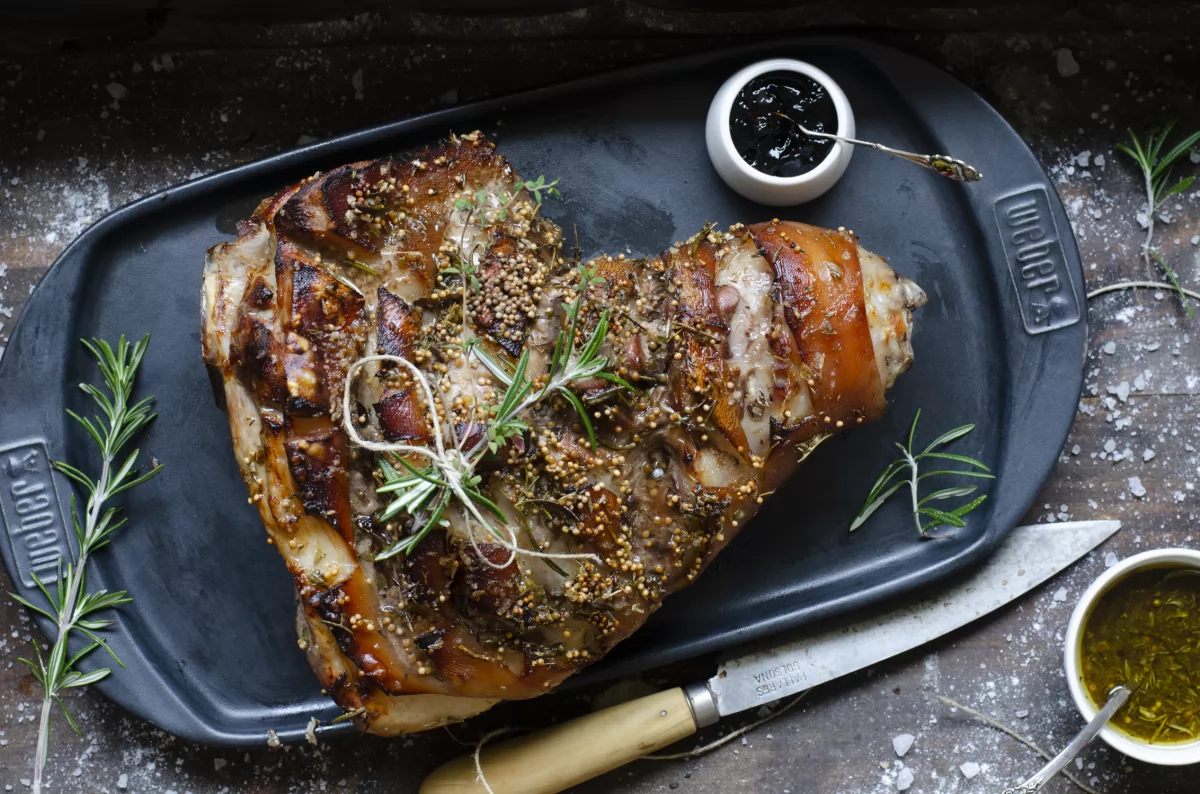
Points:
(1173, 754)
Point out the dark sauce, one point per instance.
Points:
(774, 145)
(1145, 632)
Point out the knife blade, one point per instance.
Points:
(1028, 556)
(561, 756)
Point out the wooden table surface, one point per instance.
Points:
(92, 124)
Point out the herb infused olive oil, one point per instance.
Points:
(1145, 633)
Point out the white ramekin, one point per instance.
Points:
(1164, 754)
(755, 185)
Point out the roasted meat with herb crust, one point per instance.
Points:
(486, 463)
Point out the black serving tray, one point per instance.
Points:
(209, 639)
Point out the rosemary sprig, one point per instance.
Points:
(566, 366)
(425, 494)
(1156, 169)
(909, 464)
(70, 606)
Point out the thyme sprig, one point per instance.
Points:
(477, 202)
(909, 464)
(70, 606)
(1156, 169)
(535, 188)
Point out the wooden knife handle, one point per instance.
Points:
(561, 756)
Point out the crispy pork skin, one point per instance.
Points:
(745, 348)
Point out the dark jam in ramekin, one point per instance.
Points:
(775, 145)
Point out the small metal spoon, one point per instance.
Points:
(944, 164)
(1116, 699)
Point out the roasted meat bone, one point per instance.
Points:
(745, 348)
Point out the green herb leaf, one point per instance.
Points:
(583, 417)
(1156, 174)
(873, 505)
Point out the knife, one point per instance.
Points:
(562, 756)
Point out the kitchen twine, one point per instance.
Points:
(453, 465)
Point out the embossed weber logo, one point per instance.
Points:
(779, 678)
(1035, 258)
(31, 513)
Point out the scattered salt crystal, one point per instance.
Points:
(1147, 455)
(1075, 450)
(904, 780)
(1150, 348)
(1109, 348)
(1079, 763)
(1022, 714)
(116, 90)
(1110, 560)
(1099, 161)
(1060, 594)
(1121, 390)
(902, 743)
(970, 769)
(1110, 445)
(1194, 241)
(1065, 61)
(1082, 158)
(219, 764)
(356, 80)
(1194, 157)
(273, 740)
(1136, 488)
(1139, 383)
(123, 781)
(1143, 220)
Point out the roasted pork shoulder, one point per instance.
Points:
(486, 463)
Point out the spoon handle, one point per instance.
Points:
(1116, 699)
(943, 164)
